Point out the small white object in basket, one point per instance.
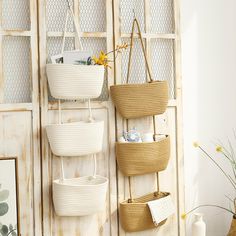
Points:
(72, 57)
(161, 209)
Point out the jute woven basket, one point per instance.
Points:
(135, 216)
(143, 158)
(232, 231)
(139, 100)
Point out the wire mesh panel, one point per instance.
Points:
(16, 69)
(16, 14)
(127, 9)
(56, 15)
(162, 15)
(138, 71)
(92, 15)
(163, 62)
(54, 45)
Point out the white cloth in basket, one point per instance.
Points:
(161, 209)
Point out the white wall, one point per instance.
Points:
(209, 99)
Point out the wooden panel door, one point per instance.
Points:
(19, 105)
(95, 20)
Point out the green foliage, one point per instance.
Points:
(4, 194)
(7, 231)
(3, 208)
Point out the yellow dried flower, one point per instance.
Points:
(219, 149)
(183, 216)
(195, 144)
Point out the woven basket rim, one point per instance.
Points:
(163, 194)
(101, 178)
(136, 84)
(75, 123)
(143, 143)
(72, 65)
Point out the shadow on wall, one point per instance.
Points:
(209, 72)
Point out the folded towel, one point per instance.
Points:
(161, 209)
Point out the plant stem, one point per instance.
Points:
(11, 232)
(209, 205)
(217, 166)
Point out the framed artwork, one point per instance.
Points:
(9, 209)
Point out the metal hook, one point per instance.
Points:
(134, 15)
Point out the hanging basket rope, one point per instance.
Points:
(139, 100)
(67, 81)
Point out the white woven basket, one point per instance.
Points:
(76, 139)
(79, 196)
(75, 81)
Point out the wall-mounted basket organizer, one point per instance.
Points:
(136, 101)
(139, 100)
(135, 214)
(75, 81)
(84, 195)
(80, 196)
(143, 158)
(68, 81)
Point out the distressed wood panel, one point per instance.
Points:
(16, 140)
(19, 104)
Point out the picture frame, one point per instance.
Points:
(9, 197)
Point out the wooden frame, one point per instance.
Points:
(17, 190)
(24, 108)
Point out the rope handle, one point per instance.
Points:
(62, 177)
(77, 30)
(90, 117)
(135, 22)
(131, 199)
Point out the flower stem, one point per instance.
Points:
(209, 205)
(232, 183)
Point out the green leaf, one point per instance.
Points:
(4, 229)
(3, 208)
(10, 227)
(13, 233)
(4, 194)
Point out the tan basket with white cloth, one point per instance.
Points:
(135, 214)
